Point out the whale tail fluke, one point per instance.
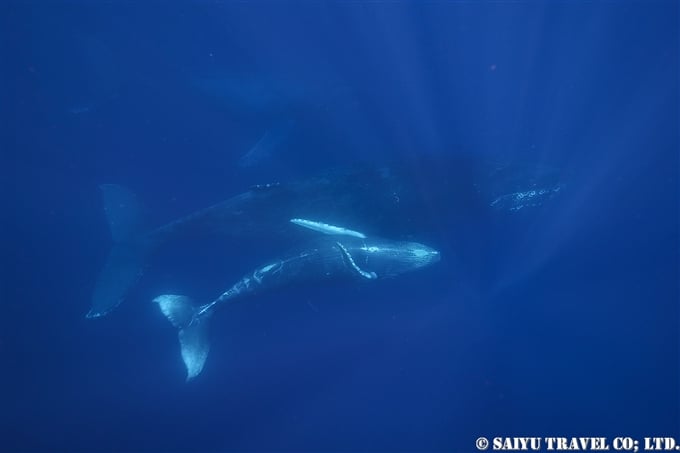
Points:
(193, 330)
(127, 257)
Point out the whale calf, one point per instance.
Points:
(330, 257)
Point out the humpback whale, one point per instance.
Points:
(339, 255)
(395, 200)
(262, 210)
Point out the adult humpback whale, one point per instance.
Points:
(421, 195)
(263, 210)
(345, 254)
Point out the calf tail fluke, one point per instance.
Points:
(193, 330)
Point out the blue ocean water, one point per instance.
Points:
(546, 316)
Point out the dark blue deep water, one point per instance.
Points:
(554, 308)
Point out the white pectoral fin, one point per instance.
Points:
(326, 228)
(368, 275)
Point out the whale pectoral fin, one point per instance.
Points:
(368, 275)
(326, 228)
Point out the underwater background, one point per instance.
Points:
(552, 315)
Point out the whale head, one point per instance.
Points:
(418, 255)
(389, 258)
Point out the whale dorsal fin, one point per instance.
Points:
(353, 264)
(327, 229)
